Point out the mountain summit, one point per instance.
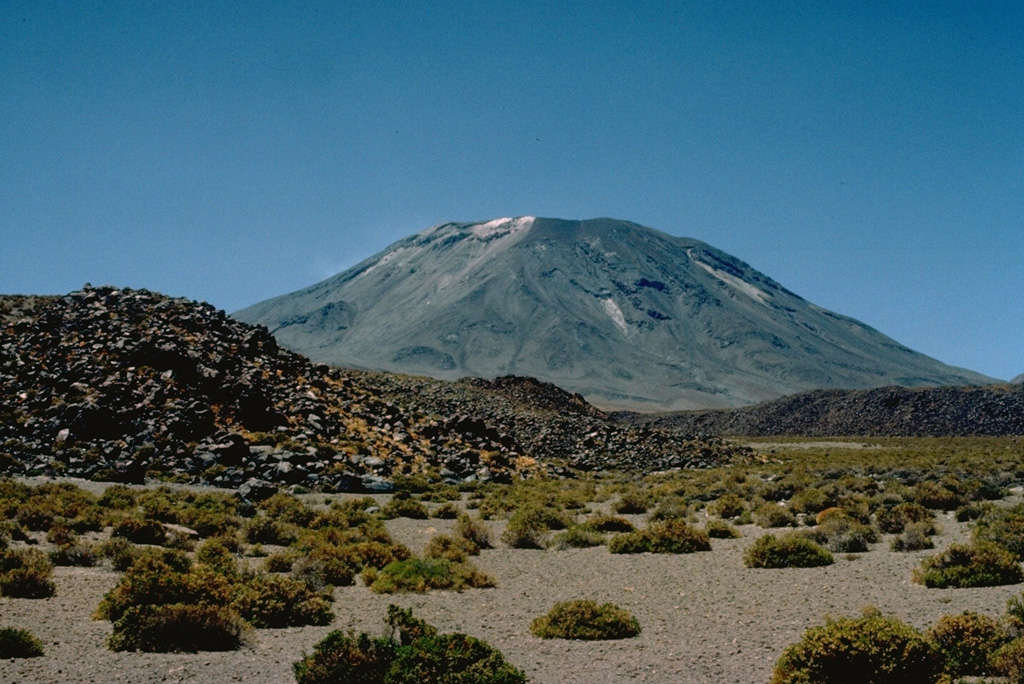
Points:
(628, 316)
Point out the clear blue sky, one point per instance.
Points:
(867, 155)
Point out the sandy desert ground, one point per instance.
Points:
(705, 617)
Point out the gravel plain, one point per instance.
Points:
(705, 617)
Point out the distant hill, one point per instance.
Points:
(627, 316)
(125, 385)
(1018, 380)
(885, 411)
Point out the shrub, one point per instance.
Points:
(894, 519)
(177, 627)
(786, 551)
(455, 549)
(915, 537)
(19, 643)
(528, 526)
(472, 530)
(811, 500)
(25, 573)
(215, 556)
(773, 515)
(419, 575)
(671, 509)
(121, 552)
(280, 562)
(264, 529)
(584, 619)
(669, 536)
(631, 503)
(874, 648)
(400, 507)
(728, 506)
(981, 564)
(78, 554)
(720, 529)
(1008, 661)
(446, 511)
(577, 537)
(843, 534)
(348, 658)
(602, 522)
(140, 531)
(1004, 527)
(418, 656)
(277, 601)
(938, 496)
(967, 642)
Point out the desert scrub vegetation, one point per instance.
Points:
(788, 550)
(841, 533)
(967, 643)
(419, 575)
(412, 652)
(586, 620)
(25, 573)
(720, 529)
(981, 564)
(19, 643)
(770, 515)
(894, 519)
(915, 537)
(165, 598)
(577, 537)
(529, 526)
(872, 648)
(666, 536)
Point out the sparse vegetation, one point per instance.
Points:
(586, 620)
(790, 550)
(668, 536)
(872, 648)
(981, 564)
(19, 643)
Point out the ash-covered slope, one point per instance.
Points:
(883, 412)
(625, 315)
(119, 384)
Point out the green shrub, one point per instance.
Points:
(214, 555)
(345, 657)
(893, 519)
(876, 649)
(631, 503)
(915, 537)
(446, 511)
(669, 536)
(812, 500)
(934, 495)
(720, 529)
(280, 562)
(790, 550)
(140, 531)
(418, 656)
(981, 564)
(728, 506)
(419, 575)
(25, 573)
(577, 537)
(772, 515)
(121, 552)
(473, 530)
(455, 549)
(967, 642)
(277, 601)
(1008, 661)
(1004, 527)
(264, 529)
(602, 522)
(529, 525)
(842, 534)
(177, 627)
(19, 643)
(78, 554)
(671, 509)
(400, 507)
(584, 619)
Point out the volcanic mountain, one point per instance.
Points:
(627, 316)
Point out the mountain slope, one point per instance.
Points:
(994, 410)
(625, 315)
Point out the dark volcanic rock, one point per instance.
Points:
(119, 384)
(887, 411)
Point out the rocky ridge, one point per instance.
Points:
(123, 385)
(884, 412)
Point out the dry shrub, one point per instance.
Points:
(790, 550)
(981, 564)
(585, 619)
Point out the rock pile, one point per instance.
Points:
(122, 385)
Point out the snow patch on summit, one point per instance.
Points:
(501, 227)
